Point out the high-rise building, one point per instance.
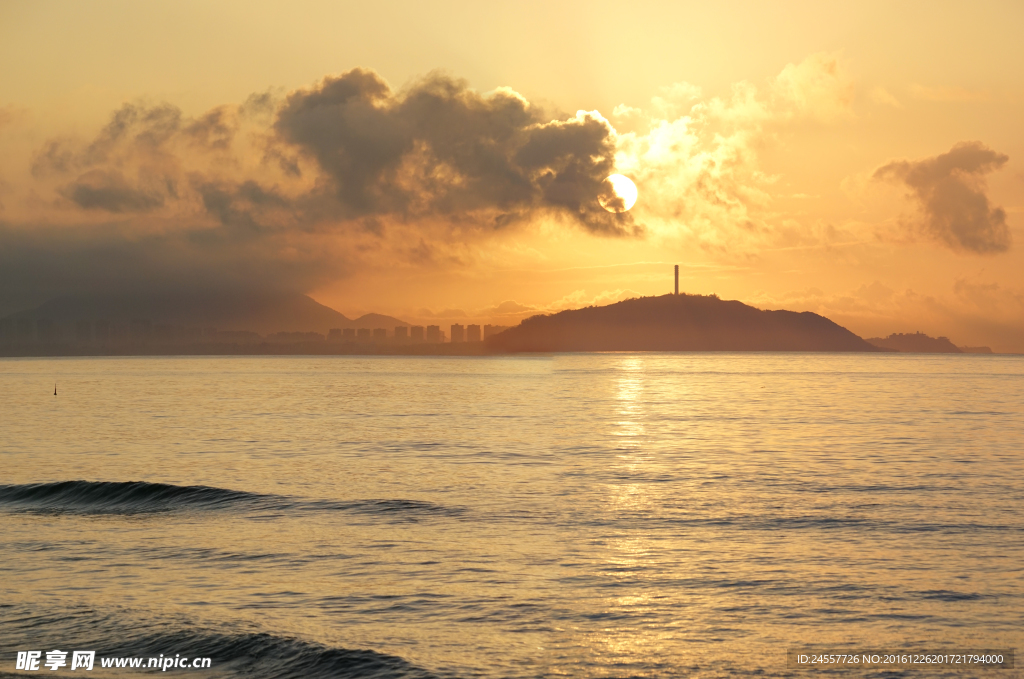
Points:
(458, 333)
(433, 333)
(416, 332)
(380, 334)
(473, 333)
(401, 333)
(677, 279)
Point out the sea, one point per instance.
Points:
(576, 515)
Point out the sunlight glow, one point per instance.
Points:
(619, 193)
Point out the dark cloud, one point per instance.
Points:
(134, 164)
(436, 150)
(216, 129)
(43, 261)
(131, 165)
(108, 190)
(235, 203)
(951, 190)
(440, 149)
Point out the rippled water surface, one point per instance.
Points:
(584, 515)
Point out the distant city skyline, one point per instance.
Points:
(142, 331)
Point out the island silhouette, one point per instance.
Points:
(920, 343)
(678, 323)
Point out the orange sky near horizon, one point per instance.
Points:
(862, 162)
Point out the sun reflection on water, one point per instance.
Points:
(630, 593)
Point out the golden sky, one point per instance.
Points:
(438, 161)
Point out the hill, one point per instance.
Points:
(258, 311)
(678, 323)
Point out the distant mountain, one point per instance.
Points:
(262, 312)
(678, 323)
(918, 343)
(374, 321)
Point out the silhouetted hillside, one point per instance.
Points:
(678, 323)
(373, 321)
(261, 312)
(917, 343)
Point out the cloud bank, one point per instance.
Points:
(298, 190)
(293, 191)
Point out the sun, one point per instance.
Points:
(618, 193)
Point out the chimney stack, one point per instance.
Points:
(677, 279)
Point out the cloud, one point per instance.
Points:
(144, 160)
(511, 308)
(440, 149)
(818, 87)
(108, 190)
(579, 299)
(951, 192)
(697, 164)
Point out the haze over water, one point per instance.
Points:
(579, 515)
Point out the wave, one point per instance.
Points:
(251, 654)
(122, 497)
(267, 656)
(141, 497)
(949, 595)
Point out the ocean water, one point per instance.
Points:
(609, 515)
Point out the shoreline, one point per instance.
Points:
(330, 349)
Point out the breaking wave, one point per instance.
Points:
(140, 497)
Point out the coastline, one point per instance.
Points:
(331, 349)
